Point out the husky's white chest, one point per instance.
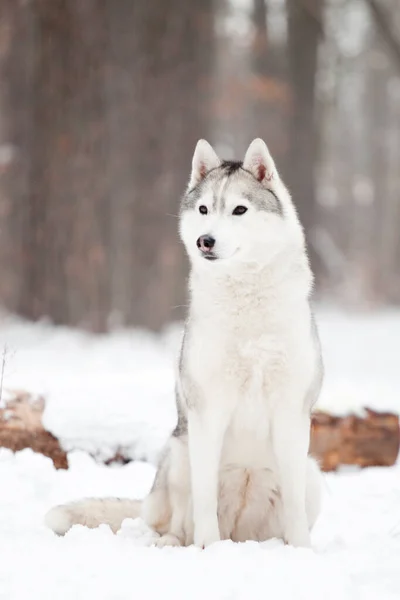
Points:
(246, 363)
(242, 375)
(243, 358)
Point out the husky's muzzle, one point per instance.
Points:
(205, 244)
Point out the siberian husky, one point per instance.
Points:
(236, 466)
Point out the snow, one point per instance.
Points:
(111, 392)
(355, 555)
(106, 393)
(103, 393)
(362, 361)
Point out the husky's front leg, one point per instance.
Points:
(291, 436)
(206, 434)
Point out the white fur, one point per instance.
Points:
(92, 512)
(204, 159)
(249, 361)
(251, 358)
(252, 382)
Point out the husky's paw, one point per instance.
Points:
(299, 537)
(206, 533)
(167, 540)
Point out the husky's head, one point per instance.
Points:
(237, 212)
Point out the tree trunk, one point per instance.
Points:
(156, 116)
(270, 97)
(104, 122)
(304, 32)
(16, 135)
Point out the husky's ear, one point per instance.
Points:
(259, 162)
(204, 159)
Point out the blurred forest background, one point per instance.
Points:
(102, 102)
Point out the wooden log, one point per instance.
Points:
(368, 441)
(21, 427)
(372, 440)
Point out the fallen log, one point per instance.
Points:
(371, 440)
(366, 441)
(21, 427)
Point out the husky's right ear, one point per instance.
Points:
(259, 162)
(204, 159)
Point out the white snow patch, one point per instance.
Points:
(103, 393)
(362, 361)
(108, 392)
(355, 555)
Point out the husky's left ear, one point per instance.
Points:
(204, 159)
(259, 162)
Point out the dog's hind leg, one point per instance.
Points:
(166, 508)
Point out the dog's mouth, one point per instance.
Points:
(210, 256)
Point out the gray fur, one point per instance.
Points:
(182, 424)
(315, 389)
(190, 199)
(256, 193)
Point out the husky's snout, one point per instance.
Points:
(205, 244)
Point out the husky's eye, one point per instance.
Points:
(239, 210)
(203, 209)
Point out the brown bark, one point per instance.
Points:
(367, 441)
(21, 427)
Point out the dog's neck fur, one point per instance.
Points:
(285, 281)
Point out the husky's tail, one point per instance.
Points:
(92, 512)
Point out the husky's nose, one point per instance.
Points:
(205, 243)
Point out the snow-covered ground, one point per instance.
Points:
(356, 554)
(104, 393)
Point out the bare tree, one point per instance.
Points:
(386, 251)
(304, 33)
(270, 91)
(116, 97)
